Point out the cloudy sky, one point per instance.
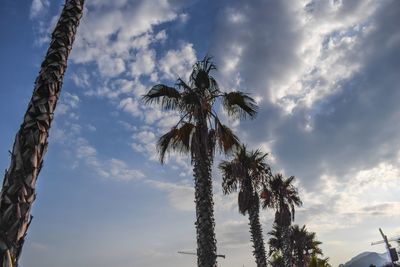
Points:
(325, 74)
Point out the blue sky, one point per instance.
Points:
(325, 74)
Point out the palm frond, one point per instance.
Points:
(227, 141)
(177, 139)
(167, 97)
(181, 84)
(190, 102)
(239, 105)
(229, 177)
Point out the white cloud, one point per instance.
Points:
(112, 168)
(81, 78)
(178, 63)
(352, 200)
(130, 106)
(38, 7)
(67, 104)
(120, 30)
(110, 67)
(143, 63)
(85, 151)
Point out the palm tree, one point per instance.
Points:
(317, 262)
(304, 245)
(276, 259)
(282, 196)
(198, 132)
(18, 191)
(247, 172)
(275, 241)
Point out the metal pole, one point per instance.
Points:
(387, 245)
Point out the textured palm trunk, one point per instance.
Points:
(256, 236)
(286, 247)
(205, 224)
(18, 191)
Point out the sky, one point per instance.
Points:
(324, 73)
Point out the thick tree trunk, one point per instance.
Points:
(256, 235)
(205, 224)
(18, 192)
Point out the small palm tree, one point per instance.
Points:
(317, 262)
(304, 245)
(30, 145)
(198, 132)
(246, 173)
(275, 241)
(276, 259)
(282, 196)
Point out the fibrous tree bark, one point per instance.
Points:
(205, 223)
(256, 234)
(18, 191)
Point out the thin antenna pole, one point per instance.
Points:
(192, 253)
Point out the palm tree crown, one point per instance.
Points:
(282, 196)
(195, 101)
(247, 172)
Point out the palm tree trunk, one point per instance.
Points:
(287, 250)
(256, 235)
(18, 191)
(205, 224)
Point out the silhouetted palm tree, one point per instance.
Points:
(283, 197)
(276, 259)
(304, 245)
(275, 241)
(317, 262)
(198, 132)
(18, 192)
(246, 173)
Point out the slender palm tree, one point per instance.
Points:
(304, 245)
(18, 191)
(246, 173)
(282, 196)
(198, 132)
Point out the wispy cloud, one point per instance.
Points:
(38, 7)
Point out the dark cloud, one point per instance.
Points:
(265, 34)
(357, 127)
(353, 126)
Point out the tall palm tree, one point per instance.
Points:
(283, 197)
(304, 245)
(198, 132)
(247, 172)
(18, 191)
